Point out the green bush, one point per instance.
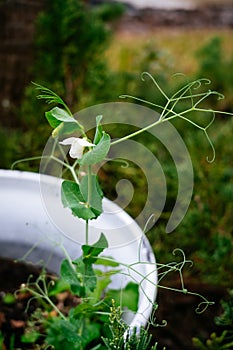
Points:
(214, 64)
(70, 41)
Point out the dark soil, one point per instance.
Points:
(12, 315)
(183, 323)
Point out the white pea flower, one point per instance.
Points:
(77, 146)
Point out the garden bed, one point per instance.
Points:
(183, 323)
(15, 308)
(176, 308)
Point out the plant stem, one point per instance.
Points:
(138, 132)
(72, 170)
(54, 307)
(87, 232)
(89, 174)
(42, 294)
(89, 185)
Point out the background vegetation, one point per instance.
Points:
(79, 57)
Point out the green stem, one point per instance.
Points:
(140, 131)
(72, 170)
(55, 307)
(68, 258)
(41, 294)
(133, 269)
(166, 118)
(89, 185)
(89, 174)
(87, 232)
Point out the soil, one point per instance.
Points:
(183, 323)
(14, 316)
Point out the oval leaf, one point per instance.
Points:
(98, 153)
(96, 194)
(62, 115)
(73, 199)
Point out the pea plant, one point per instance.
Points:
(96, 321)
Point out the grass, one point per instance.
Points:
(176, 46)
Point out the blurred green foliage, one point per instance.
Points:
(69, 49)
(70, 40)
(205, 234)
(223, 337)
(215, 65)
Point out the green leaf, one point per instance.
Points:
(72, 198)
(96, 195)
(106, 261)
(85, 275)
(127, 298)
(90, 255)
(103, 281)
(48, 95)
(72, 334)
(74, 279)
(83, 309)
(70, 194)
(65, 128)
(58, 287)
(90, 332)
(53, 122)
(99, 130)
(86, 329)
(9, 298)
(69, 331)
(98, 153)
(60, 114)
(91, 252)
(102, 242)
(61, 121)
(30, 337)
(90, 279)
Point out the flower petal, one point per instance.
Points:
(77, 146)
(85, 143)
(68, 141)
(76, 150)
